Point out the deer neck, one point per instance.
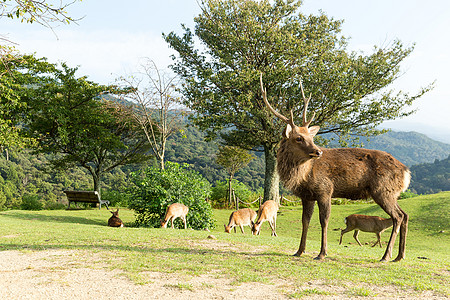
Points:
(294, 170)
(387, 222)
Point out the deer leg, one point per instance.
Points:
(392, 209)
(403, 232)
(355, 235)
(184, 221)
(308, 209)
(324, 215)
(378, 239)
(242, 228)
(347, 229)
(272, 225)
(275, 225)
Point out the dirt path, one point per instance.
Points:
(60, 274)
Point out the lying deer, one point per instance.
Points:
(115, 221)
(175, 210)
(242, 217)
(367, 224)
(267, 212)
(316, 174)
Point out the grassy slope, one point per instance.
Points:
(245, 257)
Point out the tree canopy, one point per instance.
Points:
(68, 116)
(34, 11)
(239, 40)
(29, 11)
(232, 159)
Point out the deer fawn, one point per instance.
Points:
(242, 217)
(367, 224)
(175, 210)
(317, 174)
(267, 212)
(115, 221)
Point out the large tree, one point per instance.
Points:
(29, 11)
(73, 118)
(241, 39)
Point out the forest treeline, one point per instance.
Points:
(430, 178)
(26, 177)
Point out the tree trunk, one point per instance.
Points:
(97, 182)
(230, 197)
(271, 178)
(161, 154)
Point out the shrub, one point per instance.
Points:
(116, 198)
(31, 202)
(154, 190)
(407, 194)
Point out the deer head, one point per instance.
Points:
(115, 213)
(301, 137)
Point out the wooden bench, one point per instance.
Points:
(86, 197)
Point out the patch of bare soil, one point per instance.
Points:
(67, 274)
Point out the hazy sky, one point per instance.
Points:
(114, 35)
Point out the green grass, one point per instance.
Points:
(247, 258)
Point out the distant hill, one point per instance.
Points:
(431, 178)
(411, 148)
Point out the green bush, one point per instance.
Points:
(407, 194)
(154, 190)
(31, 202)
(116, 198)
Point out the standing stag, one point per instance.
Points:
(318, 174)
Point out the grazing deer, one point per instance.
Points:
(175, 210)
(367, 224)
(317, 174)
(242, 217)
(115, 221)
(267, 212)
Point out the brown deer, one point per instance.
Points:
(115, 221)
(267, 212)
(367, 224)
(317, 174)
(175, 210)
(242, 217)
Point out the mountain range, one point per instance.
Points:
(411, 148)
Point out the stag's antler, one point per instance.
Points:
(285, 119)
(305, 108)
(264, 95)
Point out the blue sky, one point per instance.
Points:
(112, 37)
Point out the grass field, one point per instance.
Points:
(247, 258)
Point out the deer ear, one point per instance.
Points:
(287, 131)
(313, 130)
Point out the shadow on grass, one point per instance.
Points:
(58, 219)
(187, 250)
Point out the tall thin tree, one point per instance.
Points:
(157, 105)
(232, 159)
